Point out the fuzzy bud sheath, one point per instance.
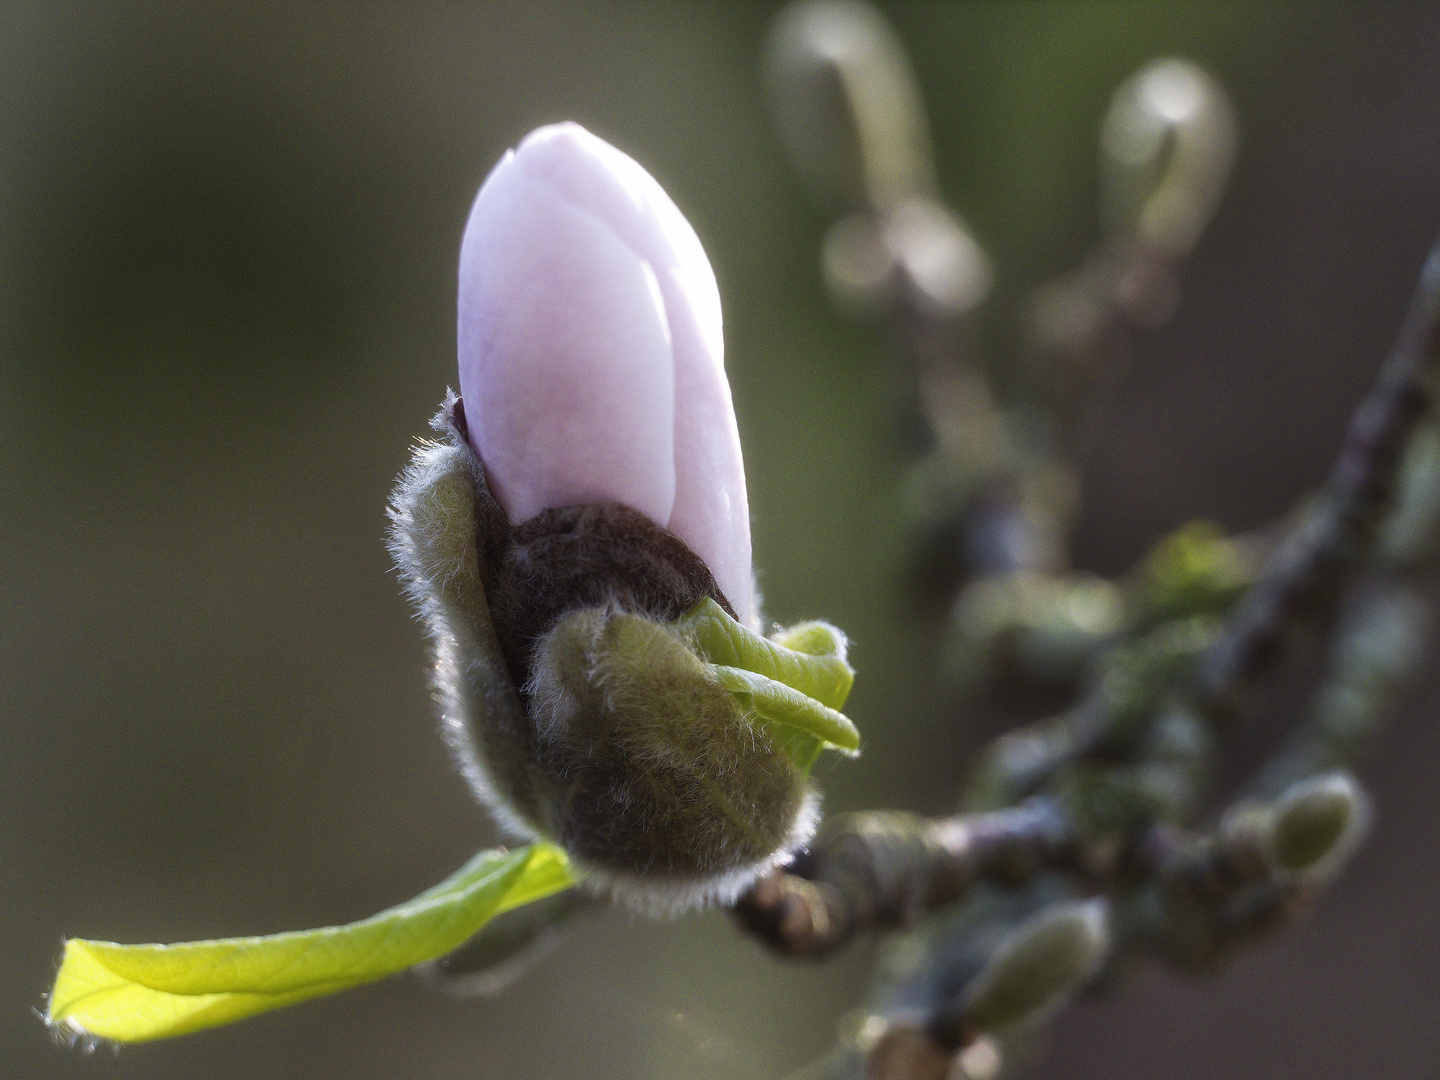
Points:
(579, 547)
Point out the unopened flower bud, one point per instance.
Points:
(1044, 960)
(580, 549)
(591, 353)
(847, 105)
(1317, 822)
(1167, 144)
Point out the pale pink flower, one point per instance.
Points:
(591, 354)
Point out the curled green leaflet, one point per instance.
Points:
(796, 681)
(134, 993)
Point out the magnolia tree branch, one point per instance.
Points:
(1078, 850)
(1090, 803)
(1303, 585)
(884, 870)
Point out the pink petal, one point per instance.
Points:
(711, 511)
(559, 354)
(565, 359)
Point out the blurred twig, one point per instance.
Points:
(1306, 578)
(1097, 805)
(867, 872)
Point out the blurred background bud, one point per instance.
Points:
(1317, 823)
(920, 242)
(1045, 960)
(852, 120)
(1167, 145)
(847, 107)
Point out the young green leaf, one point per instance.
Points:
(796, 681)
(133, 993)
(779, 703)
(809, 658)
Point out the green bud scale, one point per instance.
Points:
(599, 692)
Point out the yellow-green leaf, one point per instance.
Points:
(133, 993)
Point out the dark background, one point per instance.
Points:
(227, 246)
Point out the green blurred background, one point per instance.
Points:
(227, 245)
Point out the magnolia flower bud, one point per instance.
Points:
(580, 549)
(1045, 959)
(1316, 823)
(591, 356)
